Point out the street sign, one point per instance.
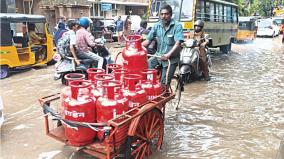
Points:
(106, 7)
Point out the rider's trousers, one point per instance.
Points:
(203, 62)
(93, 56)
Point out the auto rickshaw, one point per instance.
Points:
(17, 48)
(247, 29)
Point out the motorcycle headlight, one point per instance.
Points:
(190, 43)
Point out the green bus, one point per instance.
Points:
(220, 17)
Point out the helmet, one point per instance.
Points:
(199, 23)
(84, 22)
(71, 23)
(198, 26)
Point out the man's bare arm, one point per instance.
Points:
(73, 51)
(146, 43)
(172, 51)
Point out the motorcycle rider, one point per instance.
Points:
(84, 42)
(66, 47)
(169, 35)
(69, 36)
(199, 35)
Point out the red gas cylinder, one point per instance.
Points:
(111, 67)
(152, 87)
(98, 79)
(92, 72)
(73, 77)
(110, 104)
(119, 75)
(133, 90)
(79, 108)
(134, 55)
(66, 91)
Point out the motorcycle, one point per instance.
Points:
(102, 51)
(66, 64)
(189, 66)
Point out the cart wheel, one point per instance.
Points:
(148, 136)
(177, 88)
(4, 72)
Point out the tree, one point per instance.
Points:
(251, 7)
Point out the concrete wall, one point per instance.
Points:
(35, 7)
(72, 11)
(54, 9)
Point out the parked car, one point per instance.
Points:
(104, 26)
(100, 24)
(267, 27)
(109, 24)
(280, 23)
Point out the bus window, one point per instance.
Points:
(186, 12)
(200, 10)
(220, 14)
(216, 12)
(212, 12)
(176, 8)
(234, 15)
(225, 14)
(229, 14)
(207, 13)
(155, 8)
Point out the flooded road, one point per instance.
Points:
(238, 114)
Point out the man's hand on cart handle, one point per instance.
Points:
(165, 57)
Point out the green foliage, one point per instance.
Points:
(260, 7)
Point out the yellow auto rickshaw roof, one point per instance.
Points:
(18, 18)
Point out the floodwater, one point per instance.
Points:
(238, 114)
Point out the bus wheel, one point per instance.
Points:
(226, 48)
(4, 72)
(229, 47)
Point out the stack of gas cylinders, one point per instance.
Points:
(105, 94)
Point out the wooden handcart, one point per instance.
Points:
(136, 133)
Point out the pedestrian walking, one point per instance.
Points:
(119, 28)
(127, 26)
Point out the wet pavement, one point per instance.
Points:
(238, 114)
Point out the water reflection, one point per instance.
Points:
(238, 114)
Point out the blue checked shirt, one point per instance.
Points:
(166, 39)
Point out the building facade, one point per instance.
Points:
(72, 9)
(119, 7)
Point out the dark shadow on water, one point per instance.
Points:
(25, 69)
(244, 42)
(19, 70)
